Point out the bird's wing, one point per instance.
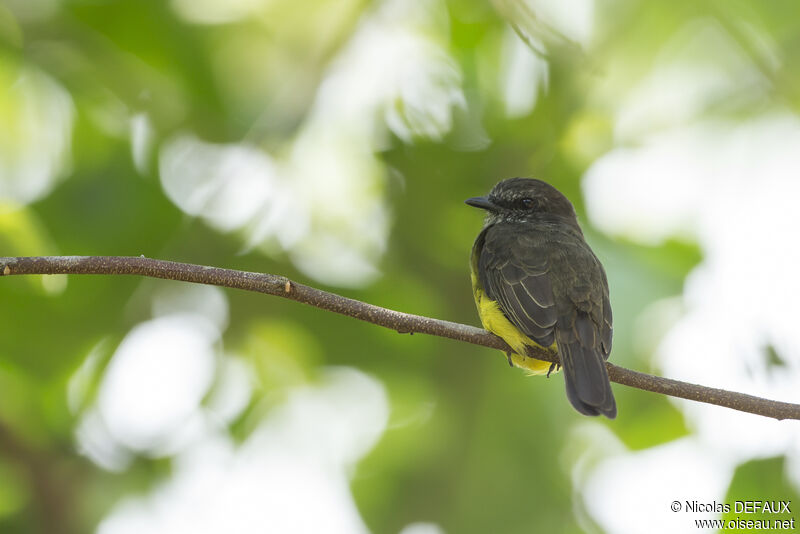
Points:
(583, 328)
(515, 271)
(518, 271)
(584, 308)
(606, 329)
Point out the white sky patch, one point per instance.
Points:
(216, 12)
(156, 380)
(392, 76)
(206, 301)
(155, 396)
(393, 73)
(699, 68)
(37, 115)
(323, 201)
(96, 443)
(523, 75)
(661, 190)
(142, 136)
(337, 178)
(733, 188)
(290, 476)
(232, 391)
(80, 383)
(574, 19)
(632, 493)
(226, 185)
(422, 528)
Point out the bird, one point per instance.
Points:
(537, 283)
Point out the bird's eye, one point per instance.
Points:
(526, 203)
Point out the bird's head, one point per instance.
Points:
(525, 200)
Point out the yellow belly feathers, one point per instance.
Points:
(495, 322)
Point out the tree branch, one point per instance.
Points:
(401, 322)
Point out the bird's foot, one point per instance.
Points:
(510, 362)
(553, 367)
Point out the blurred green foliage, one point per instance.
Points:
(471, 445)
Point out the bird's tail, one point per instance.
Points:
(585, 375)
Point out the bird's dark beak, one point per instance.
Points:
(481, 202)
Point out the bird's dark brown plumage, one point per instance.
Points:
(536, 264)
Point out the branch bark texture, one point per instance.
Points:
(401, 322)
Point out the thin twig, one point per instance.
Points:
(401, 322)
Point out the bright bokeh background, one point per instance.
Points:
(335, 142)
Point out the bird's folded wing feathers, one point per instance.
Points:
(523, 289)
